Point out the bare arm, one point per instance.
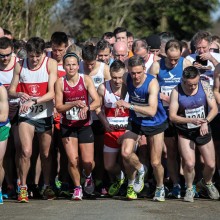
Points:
(52, 68)
(60, 106)
(14, 83)
(92, 92)
(213, 109)
(174, 106)
(217, 83)
(4, 108)
(150, 109)
(186, 63)
(99, 112)
(107, 73)
(154, 69)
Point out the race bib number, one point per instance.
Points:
(72, 114)
(118, 123)
(194, 113)
(166, 90)
(36, 109)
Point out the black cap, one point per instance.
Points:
(153, 41)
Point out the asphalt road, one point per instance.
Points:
(110, 209)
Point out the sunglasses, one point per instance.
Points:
(5, 55)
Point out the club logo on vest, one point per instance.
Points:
(34, 90)
(80, 88)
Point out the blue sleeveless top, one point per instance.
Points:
(5, 122)
(139, 96)
(194, 106)
(169, 78)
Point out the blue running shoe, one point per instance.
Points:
(176, 192)
(1, 198)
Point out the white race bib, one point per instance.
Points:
(38, 111)
(194, 113)
(166, 90)
(72, 114)
(118, 123)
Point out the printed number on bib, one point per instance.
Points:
(72, 114)
(166, 90)
(118, 123)
(195, 113)
(35, 109)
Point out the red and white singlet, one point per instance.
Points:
(35, 84)
(119, 123)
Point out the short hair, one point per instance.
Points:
(48, 44)
(35, 44)
(93, 40)
(59, 38)
(7, 32)
(5, 43)
(139, 44)
(102, 45)
(73, 48)
(116, 66)
(202, 35)
(166, 36)
(70, 55)
(173, 44)
(89, 52)
(190, 72)
(18, 45)
(129, 34)
(108, 35)
(119, 30)
(136, 61)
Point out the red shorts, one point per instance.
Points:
(110, 138)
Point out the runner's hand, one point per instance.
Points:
(204, 129)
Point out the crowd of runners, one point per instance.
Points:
(115, 116)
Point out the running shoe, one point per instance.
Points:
(64, 191)
(115, 187)
(159, 194)
(131, 194)
(23, 195)
(77, 194)
(58, 183)
(89, 185)
(48, 193)
(176, 192)
(189, 196)
(1, 198)
(210, 189)
(139, 181)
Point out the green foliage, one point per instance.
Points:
(141, 17)
(26, 18)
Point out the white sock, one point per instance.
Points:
(141, 170)
(130, 182)
(121, 176)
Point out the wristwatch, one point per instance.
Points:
(34, 100)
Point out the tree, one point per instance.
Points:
(92, 18)
(26, 18)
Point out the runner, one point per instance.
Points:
(99, 72)
(37, 75)
(109, 93)
(169, 72)
(147, 117)
(4, 132)
(72, 100)
(189, 104)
